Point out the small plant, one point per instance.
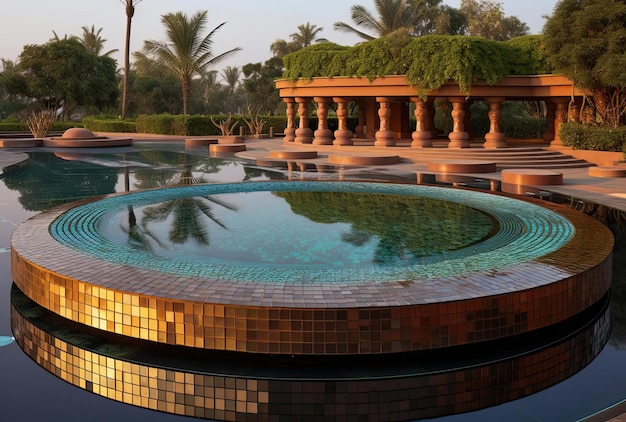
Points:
(39, 123)
(227, 126)
(254, 122)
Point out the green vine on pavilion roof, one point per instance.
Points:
(428, 62)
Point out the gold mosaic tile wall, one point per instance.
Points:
(233, 399)
(364, 330)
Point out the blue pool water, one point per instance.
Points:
(438, 232)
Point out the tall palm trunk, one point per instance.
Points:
(186, 86)
(130, 12)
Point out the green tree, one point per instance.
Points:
(63, 74)
(431, 17)
(187, 53)
(307, 35)
(231, 75)
(130, 13)
(584, 40)
(259, 86)
(93, 42)
(393, 15)
(450, 21)
(486, 18)
(10, 101)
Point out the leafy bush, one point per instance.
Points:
(594, 138)
(102, 124)
(63, 126)
(162, 124)
(311, 61)
(528, 56)
(13, 127)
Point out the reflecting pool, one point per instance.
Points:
(31, 392)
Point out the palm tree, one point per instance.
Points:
(306, 35)
(66, 37)
(186, 53)
(231, 75)
(393, 15)
(130, 12)
(93, 42)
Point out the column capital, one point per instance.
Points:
(342, 100)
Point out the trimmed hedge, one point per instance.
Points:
(23, 127)
(593, 138)
(108, 125)
(199, 125)
(13, 127)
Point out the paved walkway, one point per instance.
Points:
(576, 181)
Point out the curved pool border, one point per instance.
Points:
(314, 318)
(524, 232)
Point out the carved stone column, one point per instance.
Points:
(429, 124)
(304, 134)
(384, 136)
(290, 130)
(323, 135)
(360, 128)
(560, 117)
(458, 137)
(343, 135)
(550, 113)
(495, 137)
(422, 136)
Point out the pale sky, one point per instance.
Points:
(250, 24)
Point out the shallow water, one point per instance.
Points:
(30, 393)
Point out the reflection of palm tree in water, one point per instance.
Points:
(186, 213)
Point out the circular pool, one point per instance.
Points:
(312, 232)
(345, 268)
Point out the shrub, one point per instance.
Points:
(63, 126)
(13, 127)
(594, 138)
(162, 124)
(39, 123)
(103, 124)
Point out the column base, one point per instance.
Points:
(323, 137)
(343, 137)
(458, 140)
(494, 140)
(290, 135)
(304, 136)
(385, 138)
(421, 140)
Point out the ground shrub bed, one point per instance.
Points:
(593, 138)
(103, 124)
(23, 127)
